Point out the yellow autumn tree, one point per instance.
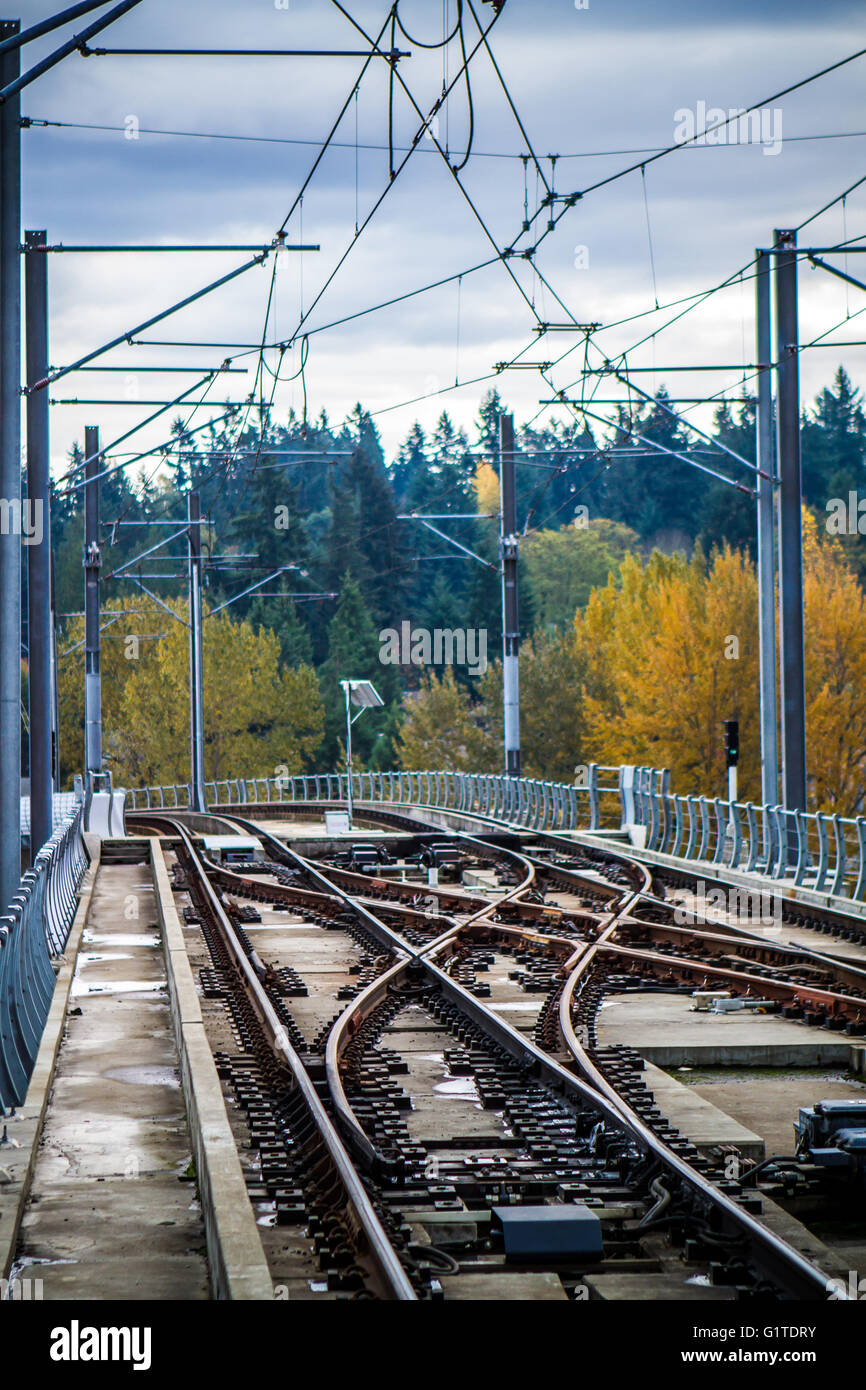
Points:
(835, 640)
(132, 630)
(256, 716)
(671, 651)
(487, 488)
(442, 729)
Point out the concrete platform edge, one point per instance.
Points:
(31, 1115)
(236, 1259)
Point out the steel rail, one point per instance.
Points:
(396, 1282)
(776, 1251)
(779, 1261)
(580, 881)
(411, 824)
(774, 1255)
(716, 933)
(812, 994)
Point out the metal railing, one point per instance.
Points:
(34, 928)
(825, 853)
(597, 801)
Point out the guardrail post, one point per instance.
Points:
(594, 800)
(780, 855)
(663, 779)
(628, 796)
(678, 825)
(752, 825)
(823, 852)
(838, 885)
(653, 818)
(705, 827)
(721, 809)
(737, 829)
(860, 886)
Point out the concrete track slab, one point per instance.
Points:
(768, 1102)
(505, 1286)
(664, 1029)
(697, 1117)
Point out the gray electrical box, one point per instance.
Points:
(554, 1230)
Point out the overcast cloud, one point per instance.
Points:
(590, 85)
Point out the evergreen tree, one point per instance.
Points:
(282, 617)
(353, 654)
(728, 515)
(834, 443)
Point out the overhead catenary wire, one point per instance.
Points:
(45, 123)
(492, 260)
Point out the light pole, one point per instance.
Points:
(365, 696)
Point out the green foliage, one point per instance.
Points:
(322, 498)
(564, 566)
(353, 654)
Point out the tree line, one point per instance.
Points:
(631, 565)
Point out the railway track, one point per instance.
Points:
(559, 1178)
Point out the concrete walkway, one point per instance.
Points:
(112, 1211)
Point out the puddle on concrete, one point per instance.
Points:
(80, 988)
(145, 1076)
(19, 1274)
(533, 1005)
(97, 957)
(702, 1280)
(278, 926)
(268, 1213)
(118, 939)
(458, 1088)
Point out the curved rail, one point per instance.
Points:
(395, 1280)
(777, 1253)
(788, 1269)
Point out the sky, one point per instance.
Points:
(601, 87)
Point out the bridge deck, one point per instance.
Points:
(112, 1210)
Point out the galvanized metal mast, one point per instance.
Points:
(92, 644)
(196, 665)
(508, 546)
(10, 476)
(766, 459)
(792, 661)
(40, 617)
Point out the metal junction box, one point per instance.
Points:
(539, 1232)
(832, 1133)
(232, 849)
